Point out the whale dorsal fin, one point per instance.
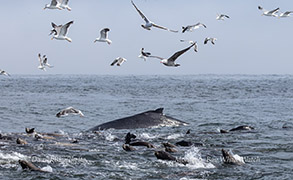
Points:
(159, 110)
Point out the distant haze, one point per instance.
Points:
(248, 43)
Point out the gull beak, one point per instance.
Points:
(52, 38)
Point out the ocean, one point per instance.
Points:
(207, 102)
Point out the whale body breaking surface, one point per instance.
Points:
(152, 118)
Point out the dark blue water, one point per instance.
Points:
(207, 102)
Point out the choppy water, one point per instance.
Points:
(207, 102)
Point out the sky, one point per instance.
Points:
(247, 43)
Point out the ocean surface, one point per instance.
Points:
(207, 102)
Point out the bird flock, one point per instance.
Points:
(59, 32)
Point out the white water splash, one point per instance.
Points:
(109, 136)
(127, 165)
(174, 136)
(47, 169)
(146, 136)
(195, 161)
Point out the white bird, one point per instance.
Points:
(285, 14)
(69, 110)
(55, 4)
(171, 60)
(222, 16)
(269, 13)
(119, 61)
(149, 24)
(213, 40)
(61, 31)
(104, 36)
(190, 28)
(191, 42)
(64, 5)
(144, 54)
(2, 72)
(41, 66)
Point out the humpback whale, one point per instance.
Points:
(146, 119)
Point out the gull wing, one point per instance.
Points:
(206, 40)
(199, 24)
(64, 2)
(40, 59)
(103, 33)
(161, 27)
(65, 27)
(157, 57)
(56, 29)
(288, 12)
(179, 53)
(274, 11)
(54, 3)
(114, 62)
(53, 25)
(140, 13)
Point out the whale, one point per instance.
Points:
(152, 118)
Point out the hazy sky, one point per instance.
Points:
(248, 43)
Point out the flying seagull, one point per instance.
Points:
(69, 110)
(41, 66)
(171, 60)
(222, 16)
(119, 61)
(64, 5)
(269, 13)
(55, 4)
(285, 14)
(2, 72)
(191, 42)
(213, 40)
(149, 24)
(61, 31)
(104, 36)
(191, 27)
(144, 54)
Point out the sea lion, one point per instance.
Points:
(230, 159)
(164, 156)
(21, 141)
(127, 147)
(128, 137)
(168, 145)
(239, 128)
(184, 143)
(142, 143)
(26, 165)
(167, 156)
(29, 131)
(169, 149)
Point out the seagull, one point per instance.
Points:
(213, 40)
(143, 54)
(191, 27)
(53, 5)
(191, 42)
(69, 110)
(149, 24)
(45, 63)
(61, 31)
(171, 60)
(41, 66)
(2, 72)
(285, 14)
(64, 5)
(119, 61)
(104, 36)
(222, 16)
(269, 13)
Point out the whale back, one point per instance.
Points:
(142, 120)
